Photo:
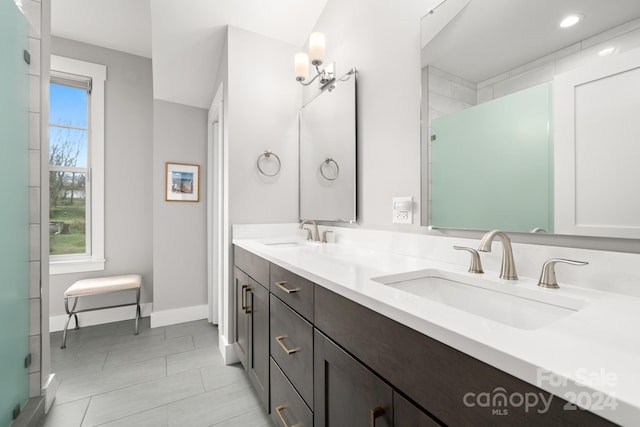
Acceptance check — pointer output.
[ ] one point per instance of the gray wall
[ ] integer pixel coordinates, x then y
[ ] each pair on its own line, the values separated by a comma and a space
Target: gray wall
260, 110
128, 168
263, 103
179, 228
385, 47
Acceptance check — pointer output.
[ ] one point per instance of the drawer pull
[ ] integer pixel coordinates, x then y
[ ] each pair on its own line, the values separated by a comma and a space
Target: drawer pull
279, 410
247, 309
244, 300
376, 413
287, 350
282, 286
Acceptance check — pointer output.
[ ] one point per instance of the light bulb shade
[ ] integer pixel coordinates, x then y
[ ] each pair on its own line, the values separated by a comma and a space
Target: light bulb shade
302, 66
316, 48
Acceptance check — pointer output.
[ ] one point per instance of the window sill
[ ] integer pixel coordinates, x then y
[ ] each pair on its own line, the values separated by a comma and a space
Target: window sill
76, 266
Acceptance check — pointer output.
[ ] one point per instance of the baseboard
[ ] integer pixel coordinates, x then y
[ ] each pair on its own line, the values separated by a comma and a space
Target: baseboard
49, 391
31, 414
228, 353
179, 315
99, 317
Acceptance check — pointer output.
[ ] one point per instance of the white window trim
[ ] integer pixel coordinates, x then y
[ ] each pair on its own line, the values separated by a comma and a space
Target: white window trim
64, 264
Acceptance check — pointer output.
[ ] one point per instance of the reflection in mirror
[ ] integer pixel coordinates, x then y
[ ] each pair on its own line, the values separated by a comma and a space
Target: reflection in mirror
502, 146
514, 133
328, 153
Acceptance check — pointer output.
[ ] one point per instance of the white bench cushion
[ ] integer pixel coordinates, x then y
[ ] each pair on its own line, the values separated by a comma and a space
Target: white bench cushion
102, 285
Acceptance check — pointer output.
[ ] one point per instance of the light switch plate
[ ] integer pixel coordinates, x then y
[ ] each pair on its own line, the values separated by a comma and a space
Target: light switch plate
402, 209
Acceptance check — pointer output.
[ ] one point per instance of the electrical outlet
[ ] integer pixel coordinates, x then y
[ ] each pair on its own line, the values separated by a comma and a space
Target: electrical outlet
402, 210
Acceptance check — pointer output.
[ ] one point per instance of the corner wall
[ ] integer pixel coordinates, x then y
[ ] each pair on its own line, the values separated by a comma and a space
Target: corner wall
128, 173
261, 107
263, 104
179, 228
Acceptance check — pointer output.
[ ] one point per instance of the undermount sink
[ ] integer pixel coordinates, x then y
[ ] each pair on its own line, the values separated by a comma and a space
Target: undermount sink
291, 243
501, 302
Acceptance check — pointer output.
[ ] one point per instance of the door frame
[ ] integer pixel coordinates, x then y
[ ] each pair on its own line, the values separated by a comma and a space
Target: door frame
216, 207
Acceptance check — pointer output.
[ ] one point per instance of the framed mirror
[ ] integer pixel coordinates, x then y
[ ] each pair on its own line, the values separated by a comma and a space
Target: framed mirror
526, 124
328, 153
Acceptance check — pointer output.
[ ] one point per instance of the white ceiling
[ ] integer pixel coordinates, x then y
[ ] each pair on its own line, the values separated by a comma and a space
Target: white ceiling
183, 38
123, 25
489, 37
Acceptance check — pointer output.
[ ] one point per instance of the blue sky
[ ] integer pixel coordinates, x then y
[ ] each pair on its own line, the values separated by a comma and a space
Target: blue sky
68, 106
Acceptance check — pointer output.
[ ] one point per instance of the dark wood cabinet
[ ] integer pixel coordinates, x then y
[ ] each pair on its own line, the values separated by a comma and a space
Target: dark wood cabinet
293, 290
406, 414
258, 356
252, 320
287, 407
346, 392
241, 285
292, 347
437, 377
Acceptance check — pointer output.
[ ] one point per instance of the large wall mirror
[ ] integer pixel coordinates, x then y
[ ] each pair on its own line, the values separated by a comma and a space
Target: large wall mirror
328, 153
528, 126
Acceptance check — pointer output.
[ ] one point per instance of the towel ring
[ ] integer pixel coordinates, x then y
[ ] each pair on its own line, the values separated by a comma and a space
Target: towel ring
266, 155
326, 162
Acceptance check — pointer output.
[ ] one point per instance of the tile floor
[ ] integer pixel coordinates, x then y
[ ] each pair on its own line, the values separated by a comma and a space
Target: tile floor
170, 376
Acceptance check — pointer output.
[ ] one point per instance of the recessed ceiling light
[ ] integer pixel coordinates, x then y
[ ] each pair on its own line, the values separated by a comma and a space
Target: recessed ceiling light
571, 20
607, 51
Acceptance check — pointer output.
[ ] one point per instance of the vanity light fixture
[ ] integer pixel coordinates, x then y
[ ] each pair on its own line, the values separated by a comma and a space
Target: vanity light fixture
316, 55
571, 20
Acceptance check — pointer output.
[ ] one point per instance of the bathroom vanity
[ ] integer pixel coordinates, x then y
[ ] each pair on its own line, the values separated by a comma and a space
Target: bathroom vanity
324, 344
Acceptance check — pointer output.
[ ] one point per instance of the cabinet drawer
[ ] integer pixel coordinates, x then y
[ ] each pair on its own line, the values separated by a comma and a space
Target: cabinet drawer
287, 407
293, 290
256, 267
292, 347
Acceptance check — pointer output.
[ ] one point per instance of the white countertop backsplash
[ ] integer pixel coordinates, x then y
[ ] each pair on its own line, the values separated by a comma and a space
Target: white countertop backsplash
607, 271
599, 346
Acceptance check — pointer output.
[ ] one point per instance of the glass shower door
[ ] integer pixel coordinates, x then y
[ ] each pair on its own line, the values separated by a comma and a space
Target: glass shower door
14, 211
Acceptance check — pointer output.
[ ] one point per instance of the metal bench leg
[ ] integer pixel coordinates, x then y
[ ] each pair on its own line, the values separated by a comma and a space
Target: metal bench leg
137, 309
70, 313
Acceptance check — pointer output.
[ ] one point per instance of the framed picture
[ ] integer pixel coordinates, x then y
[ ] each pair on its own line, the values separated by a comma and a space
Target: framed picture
183, 182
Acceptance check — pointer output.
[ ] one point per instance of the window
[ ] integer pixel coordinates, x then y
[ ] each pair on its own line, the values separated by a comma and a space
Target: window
76, 166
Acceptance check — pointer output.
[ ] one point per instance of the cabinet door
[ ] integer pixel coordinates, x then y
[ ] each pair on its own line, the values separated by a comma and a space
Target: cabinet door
241, 344
345, 392
258, 358
405, 414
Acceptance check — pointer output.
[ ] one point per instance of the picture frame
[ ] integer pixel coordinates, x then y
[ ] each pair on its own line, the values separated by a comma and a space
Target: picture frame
182, 182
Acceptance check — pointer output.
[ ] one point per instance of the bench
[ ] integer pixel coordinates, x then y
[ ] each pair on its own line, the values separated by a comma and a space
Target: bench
100, 286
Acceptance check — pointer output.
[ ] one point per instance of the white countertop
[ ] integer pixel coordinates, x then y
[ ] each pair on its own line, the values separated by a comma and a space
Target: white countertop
592, 355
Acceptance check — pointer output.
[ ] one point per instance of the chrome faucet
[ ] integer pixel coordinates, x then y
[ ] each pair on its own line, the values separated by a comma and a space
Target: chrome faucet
508, 270
476, 264
315, 228
548, 275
